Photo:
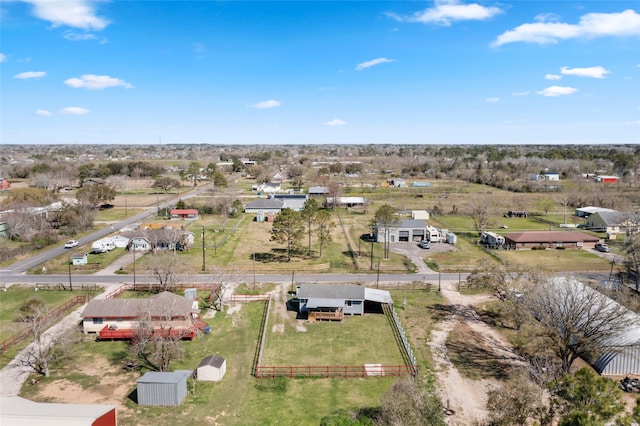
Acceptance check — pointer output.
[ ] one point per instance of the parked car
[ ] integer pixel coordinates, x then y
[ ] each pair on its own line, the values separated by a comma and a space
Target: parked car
71, 244
602, 248
425, 244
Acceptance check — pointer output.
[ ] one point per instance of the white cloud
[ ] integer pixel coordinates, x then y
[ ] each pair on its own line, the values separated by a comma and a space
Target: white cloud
547, 17
30, 74
591, 25
447, 11
594, 72
271, 103
520, 93
72, 13
335, 122
3, 57
552, 77
372, 63
73, 36
492, 100
74, 111
43, 112
557, 91
96, 82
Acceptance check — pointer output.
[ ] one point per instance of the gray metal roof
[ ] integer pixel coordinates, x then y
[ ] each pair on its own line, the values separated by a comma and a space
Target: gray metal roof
412, 223
266, 203
159, 305
375, 295
614, 218
213, 361
165, 377
324, 303
330, 291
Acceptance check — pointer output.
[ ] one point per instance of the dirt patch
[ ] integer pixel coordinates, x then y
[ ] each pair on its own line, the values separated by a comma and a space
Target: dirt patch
467, 397
113, 387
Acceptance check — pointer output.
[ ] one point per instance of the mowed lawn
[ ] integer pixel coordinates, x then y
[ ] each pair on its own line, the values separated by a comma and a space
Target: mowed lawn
557, 260
356, 340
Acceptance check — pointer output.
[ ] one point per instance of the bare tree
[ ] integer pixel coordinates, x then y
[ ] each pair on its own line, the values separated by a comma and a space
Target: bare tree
45, 349
631, 249
324, 226
481, 211
166, 268
157, 337
575, 321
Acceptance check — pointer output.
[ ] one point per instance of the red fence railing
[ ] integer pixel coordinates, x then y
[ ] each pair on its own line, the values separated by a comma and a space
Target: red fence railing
25, 332
333, 371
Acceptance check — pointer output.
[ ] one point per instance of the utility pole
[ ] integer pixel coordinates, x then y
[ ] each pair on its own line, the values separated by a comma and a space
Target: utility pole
371, 262
133, 247
378, 275
254, 271
70, 285
203, 257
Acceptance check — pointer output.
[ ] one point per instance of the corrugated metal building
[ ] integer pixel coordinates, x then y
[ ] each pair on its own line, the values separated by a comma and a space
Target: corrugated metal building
17, 411
163, 389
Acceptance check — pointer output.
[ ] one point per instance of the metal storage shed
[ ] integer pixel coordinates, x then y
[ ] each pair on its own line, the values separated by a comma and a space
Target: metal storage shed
624, 357
212, 369
163, 389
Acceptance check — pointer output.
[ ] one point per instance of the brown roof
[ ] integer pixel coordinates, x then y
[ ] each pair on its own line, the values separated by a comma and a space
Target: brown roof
550, 237
159, 305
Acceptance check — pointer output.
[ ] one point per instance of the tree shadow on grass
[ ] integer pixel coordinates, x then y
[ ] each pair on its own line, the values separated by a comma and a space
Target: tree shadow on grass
472, 356
277, 255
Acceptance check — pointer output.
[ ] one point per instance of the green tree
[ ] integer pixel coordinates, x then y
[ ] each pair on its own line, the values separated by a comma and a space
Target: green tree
166, 184
324, 226
288, 228
409, 403
545, 204
309, 214
194, 172
237, 165
219, 179
585, 398
93, 195
385, 220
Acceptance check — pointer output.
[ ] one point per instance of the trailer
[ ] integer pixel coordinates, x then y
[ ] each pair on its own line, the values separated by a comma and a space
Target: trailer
491, 239
102, 246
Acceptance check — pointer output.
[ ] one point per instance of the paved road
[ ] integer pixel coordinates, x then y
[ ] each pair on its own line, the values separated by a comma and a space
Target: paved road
37, 259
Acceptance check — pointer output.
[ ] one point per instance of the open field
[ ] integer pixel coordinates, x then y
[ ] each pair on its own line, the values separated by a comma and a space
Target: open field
557, 260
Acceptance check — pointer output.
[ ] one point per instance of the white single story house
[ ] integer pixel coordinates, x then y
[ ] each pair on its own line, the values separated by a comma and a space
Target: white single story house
345, 202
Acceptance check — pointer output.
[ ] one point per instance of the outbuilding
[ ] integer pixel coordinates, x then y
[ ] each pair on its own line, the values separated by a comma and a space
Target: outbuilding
165, 389
211, 369
18, 411
79, 259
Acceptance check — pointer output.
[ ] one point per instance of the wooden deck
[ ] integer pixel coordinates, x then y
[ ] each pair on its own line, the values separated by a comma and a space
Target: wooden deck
110, 333
314, 316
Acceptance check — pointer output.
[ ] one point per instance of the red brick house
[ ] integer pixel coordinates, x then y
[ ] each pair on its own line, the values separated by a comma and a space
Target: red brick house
550, 239
184, 214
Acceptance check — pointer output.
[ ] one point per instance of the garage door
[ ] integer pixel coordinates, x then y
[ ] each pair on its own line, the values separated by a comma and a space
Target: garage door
404, 235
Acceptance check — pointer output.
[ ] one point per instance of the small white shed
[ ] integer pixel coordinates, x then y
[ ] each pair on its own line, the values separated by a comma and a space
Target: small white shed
79, 259
212, 369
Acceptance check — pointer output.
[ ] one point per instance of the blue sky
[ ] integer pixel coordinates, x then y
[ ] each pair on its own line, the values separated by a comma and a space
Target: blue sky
327, 72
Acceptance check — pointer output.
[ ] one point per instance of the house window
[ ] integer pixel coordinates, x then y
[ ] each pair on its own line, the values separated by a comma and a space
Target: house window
559, 244
348, 303
97, 320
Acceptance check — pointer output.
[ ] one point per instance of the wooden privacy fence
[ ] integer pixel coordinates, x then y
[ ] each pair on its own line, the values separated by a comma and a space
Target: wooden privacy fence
334, 371
25, 332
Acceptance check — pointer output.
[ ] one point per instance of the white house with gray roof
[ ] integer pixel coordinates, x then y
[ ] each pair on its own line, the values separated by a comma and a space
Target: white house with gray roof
350, 299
